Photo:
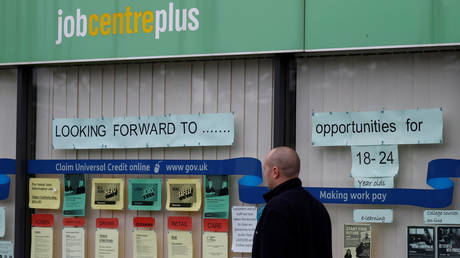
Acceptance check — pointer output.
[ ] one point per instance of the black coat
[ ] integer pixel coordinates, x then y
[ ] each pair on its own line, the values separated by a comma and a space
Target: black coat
293, 224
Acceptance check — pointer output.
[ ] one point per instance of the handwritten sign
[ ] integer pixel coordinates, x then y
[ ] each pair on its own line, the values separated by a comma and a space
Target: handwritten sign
441, 217
373, 215
244, 222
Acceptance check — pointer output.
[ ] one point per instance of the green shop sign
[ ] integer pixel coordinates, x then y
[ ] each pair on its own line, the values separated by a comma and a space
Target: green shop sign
358, 24
84, 30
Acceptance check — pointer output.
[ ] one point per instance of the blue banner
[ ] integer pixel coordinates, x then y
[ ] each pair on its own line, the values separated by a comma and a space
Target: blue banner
7, 166
439, 172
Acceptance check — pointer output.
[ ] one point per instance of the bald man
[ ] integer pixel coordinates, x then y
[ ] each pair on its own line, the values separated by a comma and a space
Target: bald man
293, 223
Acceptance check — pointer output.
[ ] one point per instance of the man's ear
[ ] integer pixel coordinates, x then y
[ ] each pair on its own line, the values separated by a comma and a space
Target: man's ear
276, 172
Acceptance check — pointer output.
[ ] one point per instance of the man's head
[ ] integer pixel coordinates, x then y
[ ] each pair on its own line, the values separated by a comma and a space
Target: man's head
280, 165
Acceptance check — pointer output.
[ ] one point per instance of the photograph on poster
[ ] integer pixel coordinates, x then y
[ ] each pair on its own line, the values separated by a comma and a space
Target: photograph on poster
217, 200
420, 242
449, 242
74, 195
357, 241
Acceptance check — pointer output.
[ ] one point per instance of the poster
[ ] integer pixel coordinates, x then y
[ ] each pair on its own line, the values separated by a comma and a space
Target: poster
44, 193
107, 193
420, 242
106, 243
145, 244
215, 245
6, 249
244, 222
216, 198
74, 195
180, 244
144, 194
41, 242
449, 242
73, 243
357, 241
183, 194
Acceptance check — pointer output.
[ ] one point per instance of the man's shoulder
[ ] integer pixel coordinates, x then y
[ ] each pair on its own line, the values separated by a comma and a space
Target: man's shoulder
297, 198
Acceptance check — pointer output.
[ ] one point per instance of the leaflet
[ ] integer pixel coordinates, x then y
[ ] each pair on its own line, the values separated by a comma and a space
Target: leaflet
180, 244
44, 193
2, 221
244, 222
215, 245
74, 195
144, 194
73, 243
107, 193
41, 242
216, 198
6, 249
106, 243
145, 244
357, 240
183, 194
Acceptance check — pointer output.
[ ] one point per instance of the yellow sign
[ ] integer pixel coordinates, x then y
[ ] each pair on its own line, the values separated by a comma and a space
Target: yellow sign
107, 193
44, 193
215, 245
180, 244
145, 244
41, 242
106, 243
183, 194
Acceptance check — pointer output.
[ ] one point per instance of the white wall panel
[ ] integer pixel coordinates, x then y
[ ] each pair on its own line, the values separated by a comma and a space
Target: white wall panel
8, 82
244, 87
373, 82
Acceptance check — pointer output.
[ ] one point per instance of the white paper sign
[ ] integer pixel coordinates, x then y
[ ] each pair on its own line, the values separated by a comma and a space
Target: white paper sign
373, 215
180, 244
144, 244
144, 131
106, 243
215, 245
41, 242
374, 182
6, 249
73, 243
416, 126
244, 222
2, 221
450, 217
374, 161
